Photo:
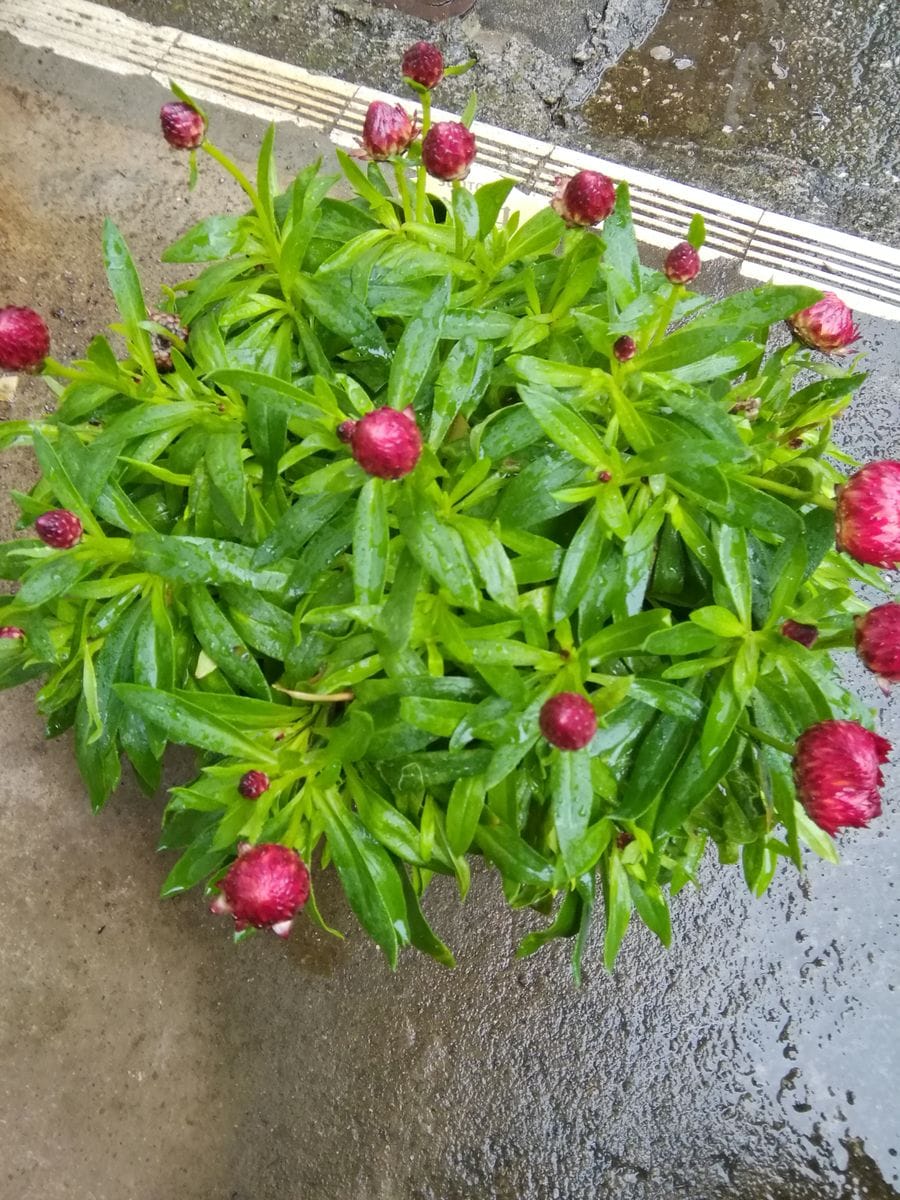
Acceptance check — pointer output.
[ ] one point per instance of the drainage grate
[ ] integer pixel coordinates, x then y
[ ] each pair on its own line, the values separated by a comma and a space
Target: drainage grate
433, 10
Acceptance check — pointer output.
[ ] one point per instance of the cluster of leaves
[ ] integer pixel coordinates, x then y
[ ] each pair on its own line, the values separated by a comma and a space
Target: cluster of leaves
382, 649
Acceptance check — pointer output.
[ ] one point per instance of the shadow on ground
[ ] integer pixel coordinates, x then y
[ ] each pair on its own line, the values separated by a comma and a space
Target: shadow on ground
146, 1057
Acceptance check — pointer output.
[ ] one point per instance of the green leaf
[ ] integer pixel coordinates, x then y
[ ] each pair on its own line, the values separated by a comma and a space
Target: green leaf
437, 547
620, 252
464, 811
221, 641
206, 560
571, 796
565, 427
209, 240
371, 541
365, 872
626, 636
759, 307
617, 898
461, 382
338, 309
187, 718
539, 235
514, 857
723, 364
729, 701
490, 559
696, 235
422, 936
490, 198
225, 462
466, 212
734, 563
692, 783
660, 752
123, 281
49, 578
564, 924
650, 905
579, 563
416, 348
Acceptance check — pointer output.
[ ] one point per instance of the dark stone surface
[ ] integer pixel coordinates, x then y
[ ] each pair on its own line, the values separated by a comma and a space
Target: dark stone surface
145, 1057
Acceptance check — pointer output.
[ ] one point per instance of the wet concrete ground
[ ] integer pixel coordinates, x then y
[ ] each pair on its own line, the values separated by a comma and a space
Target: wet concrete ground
145, 1057
790, 105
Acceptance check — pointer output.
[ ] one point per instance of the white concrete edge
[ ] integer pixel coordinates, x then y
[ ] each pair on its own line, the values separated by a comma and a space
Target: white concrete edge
768, 245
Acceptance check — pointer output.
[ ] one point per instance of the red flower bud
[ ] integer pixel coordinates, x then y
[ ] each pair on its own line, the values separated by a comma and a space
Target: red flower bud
11, 631
837, 773
568, 721
183, 127
345, 430
827, 325
867, 520
253, 784
59, 528
624, 348
24, 339
424, 64
806, 635
585, 199
162, 347
682, 263
448, 150
878, 641
387, 131
265, 886
386, 442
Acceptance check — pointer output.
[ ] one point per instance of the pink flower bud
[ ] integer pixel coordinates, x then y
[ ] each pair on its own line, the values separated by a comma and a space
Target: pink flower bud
624, 348
867, 520
387, 131
183, 127
827, 325
424, 64
265, 886
162, 347
24, 339
878, 641
386, 442
682, 263
568, 721
838, 775
448, 150
585, 199
806, 635
59, 528
252, 784
11, 631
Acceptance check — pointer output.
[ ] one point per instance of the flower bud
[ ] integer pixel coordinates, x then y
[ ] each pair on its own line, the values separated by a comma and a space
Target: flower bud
386, 442
11, 631
183, 127
59, 528
585, 199
624, 348
387, 131
827, 325
838, 775
265, 887
423, 63
448, 150
252, 784
806, 635
682, 263
568, 721
867, 518
24, 339
345, 430
162, 347
878, 641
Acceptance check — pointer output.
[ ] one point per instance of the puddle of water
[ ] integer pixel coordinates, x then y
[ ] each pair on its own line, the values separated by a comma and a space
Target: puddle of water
802, 89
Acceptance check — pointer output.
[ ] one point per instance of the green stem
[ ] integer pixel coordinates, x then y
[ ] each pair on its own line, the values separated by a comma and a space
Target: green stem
784, 489
766, 739
233, 170
422, 177
665, 315
403, 187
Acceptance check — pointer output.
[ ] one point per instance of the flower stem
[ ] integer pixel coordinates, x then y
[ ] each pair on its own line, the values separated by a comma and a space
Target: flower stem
403, 187
784, 489
766, 739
